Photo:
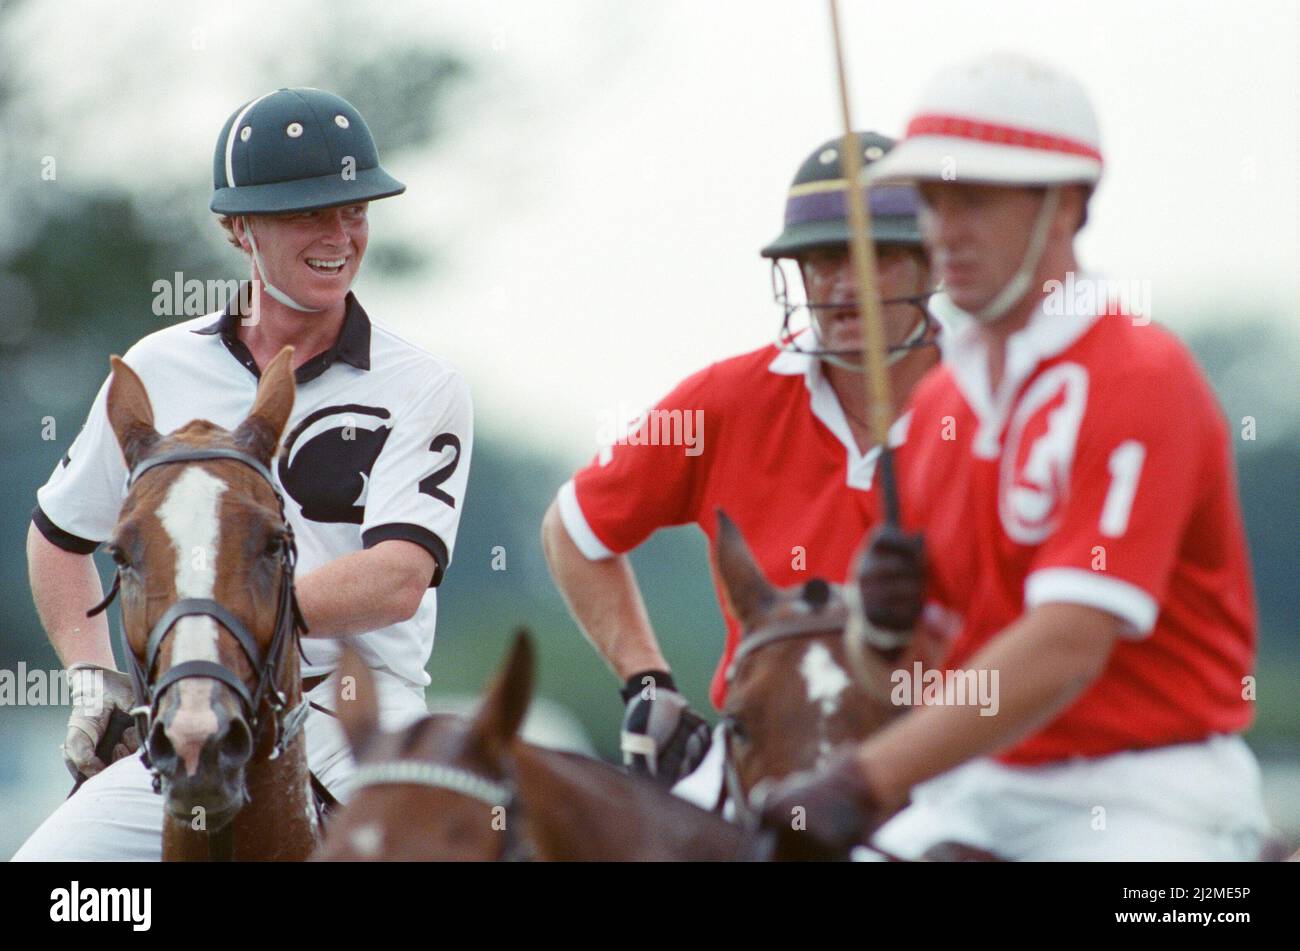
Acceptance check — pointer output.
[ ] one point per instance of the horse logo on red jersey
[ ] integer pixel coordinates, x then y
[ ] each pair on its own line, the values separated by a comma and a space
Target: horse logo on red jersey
1038, 453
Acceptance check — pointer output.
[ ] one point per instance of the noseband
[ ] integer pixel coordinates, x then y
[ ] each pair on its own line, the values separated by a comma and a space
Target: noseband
794, 628
288, 625
495, 793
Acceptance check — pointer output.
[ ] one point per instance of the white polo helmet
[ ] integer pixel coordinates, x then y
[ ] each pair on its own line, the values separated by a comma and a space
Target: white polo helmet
1001, 120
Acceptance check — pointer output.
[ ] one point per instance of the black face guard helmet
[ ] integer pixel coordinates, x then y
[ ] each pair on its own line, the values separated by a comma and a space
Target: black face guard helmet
817, 217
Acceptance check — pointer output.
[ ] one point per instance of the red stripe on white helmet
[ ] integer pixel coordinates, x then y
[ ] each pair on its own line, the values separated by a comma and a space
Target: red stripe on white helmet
1003, 119
963, 128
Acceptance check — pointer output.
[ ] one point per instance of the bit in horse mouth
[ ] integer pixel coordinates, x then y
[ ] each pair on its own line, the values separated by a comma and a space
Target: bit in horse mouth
214, 817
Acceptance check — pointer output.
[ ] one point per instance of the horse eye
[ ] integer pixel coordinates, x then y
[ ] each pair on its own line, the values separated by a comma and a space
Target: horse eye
118, 556
737, 728
274, 546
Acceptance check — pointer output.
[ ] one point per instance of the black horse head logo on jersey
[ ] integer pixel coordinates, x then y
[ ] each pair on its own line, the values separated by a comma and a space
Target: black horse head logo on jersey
326, 461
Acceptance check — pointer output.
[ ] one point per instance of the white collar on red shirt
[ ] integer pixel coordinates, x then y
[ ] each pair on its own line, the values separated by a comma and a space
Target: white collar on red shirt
861, 467
1043, 337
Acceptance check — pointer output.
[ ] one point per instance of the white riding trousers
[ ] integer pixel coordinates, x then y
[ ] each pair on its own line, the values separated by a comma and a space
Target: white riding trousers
1189, 802
117, 817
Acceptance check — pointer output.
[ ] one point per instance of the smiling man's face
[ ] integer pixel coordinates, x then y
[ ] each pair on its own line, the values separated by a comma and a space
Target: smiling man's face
312, 256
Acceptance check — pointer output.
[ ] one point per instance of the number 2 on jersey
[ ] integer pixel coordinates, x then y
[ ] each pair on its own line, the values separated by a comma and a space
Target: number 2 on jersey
429, 484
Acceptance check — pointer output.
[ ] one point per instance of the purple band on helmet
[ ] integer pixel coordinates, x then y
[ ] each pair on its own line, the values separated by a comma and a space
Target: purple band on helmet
882, 201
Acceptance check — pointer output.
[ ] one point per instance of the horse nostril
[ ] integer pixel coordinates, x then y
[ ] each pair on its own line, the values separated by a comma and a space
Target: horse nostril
161, 751
237, 745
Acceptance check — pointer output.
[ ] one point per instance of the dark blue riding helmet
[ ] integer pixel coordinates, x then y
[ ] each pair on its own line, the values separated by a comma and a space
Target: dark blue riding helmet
817, 206
296, 150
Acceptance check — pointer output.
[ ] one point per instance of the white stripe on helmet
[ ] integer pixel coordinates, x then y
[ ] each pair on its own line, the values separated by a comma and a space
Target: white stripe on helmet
230, 140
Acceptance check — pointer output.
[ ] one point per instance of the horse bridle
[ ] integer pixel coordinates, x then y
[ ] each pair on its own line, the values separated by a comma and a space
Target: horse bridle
289, 624
499, 794
815, 624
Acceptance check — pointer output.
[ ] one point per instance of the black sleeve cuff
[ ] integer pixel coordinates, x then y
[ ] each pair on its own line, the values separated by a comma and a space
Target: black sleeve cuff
59, 538
406, 532
636, 683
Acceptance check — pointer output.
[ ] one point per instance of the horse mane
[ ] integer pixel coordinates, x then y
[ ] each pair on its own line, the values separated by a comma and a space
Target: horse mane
592, 796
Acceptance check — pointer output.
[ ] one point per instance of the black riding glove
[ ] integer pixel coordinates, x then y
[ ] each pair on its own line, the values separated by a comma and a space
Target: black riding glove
891, 579
662, 737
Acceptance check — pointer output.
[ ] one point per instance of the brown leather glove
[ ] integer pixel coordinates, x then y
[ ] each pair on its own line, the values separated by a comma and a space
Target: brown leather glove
821, 816
891, 579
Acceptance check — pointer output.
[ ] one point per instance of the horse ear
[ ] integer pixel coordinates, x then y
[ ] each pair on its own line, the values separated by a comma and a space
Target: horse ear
747, 591
502, 711
356, 699
130, 413
259, 434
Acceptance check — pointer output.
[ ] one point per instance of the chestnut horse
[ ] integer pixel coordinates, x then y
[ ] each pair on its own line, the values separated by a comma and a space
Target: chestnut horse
456, 788
791, 692
794, 690
210, 626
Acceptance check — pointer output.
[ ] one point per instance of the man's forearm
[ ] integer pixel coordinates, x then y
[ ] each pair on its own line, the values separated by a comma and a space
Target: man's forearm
604, 599
365, 590
1044, 662
64, 586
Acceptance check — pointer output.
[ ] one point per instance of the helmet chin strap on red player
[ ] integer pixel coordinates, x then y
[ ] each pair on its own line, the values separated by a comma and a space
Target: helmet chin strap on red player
920, 335
1018, 286
852, 359
271, 289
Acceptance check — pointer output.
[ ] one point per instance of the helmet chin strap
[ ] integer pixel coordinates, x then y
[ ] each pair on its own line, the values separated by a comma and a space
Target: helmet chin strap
271, 289
901, 352
848, 359
1016, 288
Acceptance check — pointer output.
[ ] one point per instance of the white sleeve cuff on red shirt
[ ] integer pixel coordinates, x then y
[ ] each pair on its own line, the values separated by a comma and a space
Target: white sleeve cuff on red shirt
1128, 602
576, 525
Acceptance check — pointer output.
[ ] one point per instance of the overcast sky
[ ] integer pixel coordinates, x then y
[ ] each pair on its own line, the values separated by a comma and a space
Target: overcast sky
610, 176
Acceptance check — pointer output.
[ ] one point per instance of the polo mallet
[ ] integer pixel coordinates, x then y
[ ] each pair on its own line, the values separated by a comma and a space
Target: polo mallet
880, 411
881, 408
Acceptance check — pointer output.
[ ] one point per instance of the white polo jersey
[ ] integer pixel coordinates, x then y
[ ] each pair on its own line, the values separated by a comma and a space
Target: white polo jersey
377, 448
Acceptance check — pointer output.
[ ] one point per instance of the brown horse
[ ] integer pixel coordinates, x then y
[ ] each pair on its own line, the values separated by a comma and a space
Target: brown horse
455, 788
792, 696
795, 691
210, 626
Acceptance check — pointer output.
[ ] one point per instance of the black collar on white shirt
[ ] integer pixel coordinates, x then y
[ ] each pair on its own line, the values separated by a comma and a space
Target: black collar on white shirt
352, 345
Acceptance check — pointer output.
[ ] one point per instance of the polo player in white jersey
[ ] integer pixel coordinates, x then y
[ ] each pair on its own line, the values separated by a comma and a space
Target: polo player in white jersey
373, 466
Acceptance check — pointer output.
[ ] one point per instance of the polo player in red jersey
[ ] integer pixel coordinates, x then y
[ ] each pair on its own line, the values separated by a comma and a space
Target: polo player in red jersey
778, 438
1071, 475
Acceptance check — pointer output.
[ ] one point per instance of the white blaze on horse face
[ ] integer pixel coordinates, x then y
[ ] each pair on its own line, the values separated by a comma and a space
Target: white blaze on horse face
826, 681
191, 517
